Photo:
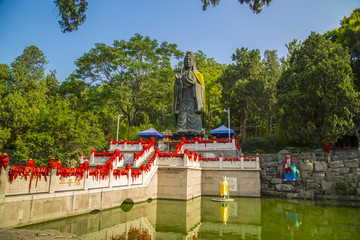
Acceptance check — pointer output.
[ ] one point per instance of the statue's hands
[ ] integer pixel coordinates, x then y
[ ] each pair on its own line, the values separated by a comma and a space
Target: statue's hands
177, 72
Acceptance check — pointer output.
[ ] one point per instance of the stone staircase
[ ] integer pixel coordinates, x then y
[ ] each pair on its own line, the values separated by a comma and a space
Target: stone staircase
147, 160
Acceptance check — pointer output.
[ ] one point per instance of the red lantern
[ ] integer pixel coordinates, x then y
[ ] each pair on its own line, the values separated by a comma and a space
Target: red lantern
81, 165
128, 166
52, 163
86, 165
59, 165
4, 161
30, 163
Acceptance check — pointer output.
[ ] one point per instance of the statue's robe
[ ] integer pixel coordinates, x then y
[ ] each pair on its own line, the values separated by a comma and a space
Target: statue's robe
189, 103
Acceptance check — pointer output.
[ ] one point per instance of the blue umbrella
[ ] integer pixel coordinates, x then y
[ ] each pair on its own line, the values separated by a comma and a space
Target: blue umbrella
222, 132
151, 132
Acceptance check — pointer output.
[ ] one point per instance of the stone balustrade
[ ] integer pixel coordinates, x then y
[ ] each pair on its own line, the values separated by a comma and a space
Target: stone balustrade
236, 163
56, 183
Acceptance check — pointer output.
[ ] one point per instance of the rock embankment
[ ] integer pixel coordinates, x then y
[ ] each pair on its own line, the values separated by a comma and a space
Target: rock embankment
22, 234
319, 177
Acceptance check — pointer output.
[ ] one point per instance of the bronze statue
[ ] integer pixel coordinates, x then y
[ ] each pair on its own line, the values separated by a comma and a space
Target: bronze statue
189, 98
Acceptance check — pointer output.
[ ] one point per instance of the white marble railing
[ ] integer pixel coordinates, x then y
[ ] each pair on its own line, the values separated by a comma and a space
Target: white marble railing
239, 163
180, 160
56, 183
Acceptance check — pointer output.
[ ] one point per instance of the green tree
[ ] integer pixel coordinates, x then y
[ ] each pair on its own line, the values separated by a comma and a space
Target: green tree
211, 71
243, 86
272, 68
35, 121
348, 35
72, 14
315, 93
136, 75
255, 5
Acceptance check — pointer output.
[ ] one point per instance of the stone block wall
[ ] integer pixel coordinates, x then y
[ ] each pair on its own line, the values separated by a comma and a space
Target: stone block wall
319, 178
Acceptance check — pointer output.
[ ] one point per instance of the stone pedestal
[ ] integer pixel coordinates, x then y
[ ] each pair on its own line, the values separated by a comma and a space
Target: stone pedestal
188, 136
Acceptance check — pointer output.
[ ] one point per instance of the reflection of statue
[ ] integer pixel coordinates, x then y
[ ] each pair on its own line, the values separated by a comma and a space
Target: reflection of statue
224, 189
189, 98
290, 171
293, 223
224, 212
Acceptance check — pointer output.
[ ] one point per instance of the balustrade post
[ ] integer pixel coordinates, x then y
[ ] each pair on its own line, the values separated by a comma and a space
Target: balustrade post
85, 179
242, 161
117, 160
82, 158
142, 178
185, 160
214, 144
92, 158
125, 145
221, 159
111, 178
52, 179
233, 144
196, 145
4, 181
129, 178
140, 146
257, 161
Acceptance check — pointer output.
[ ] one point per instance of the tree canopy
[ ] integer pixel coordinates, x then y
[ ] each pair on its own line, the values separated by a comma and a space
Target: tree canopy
316, 94
136, 75
243, 85
255, 5
348, 35
72, 12
34, 121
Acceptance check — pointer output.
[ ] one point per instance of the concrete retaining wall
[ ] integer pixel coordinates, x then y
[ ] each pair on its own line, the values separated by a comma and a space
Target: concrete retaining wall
241, 182
179, 183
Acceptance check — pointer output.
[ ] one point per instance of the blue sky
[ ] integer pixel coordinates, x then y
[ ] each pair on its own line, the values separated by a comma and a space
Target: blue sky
218, 32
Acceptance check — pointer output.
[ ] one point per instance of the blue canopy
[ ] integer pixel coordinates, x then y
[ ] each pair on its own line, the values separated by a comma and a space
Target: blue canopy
151, 132
222, 132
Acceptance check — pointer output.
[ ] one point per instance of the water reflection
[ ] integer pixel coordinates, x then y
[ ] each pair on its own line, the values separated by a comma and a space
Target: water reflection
201, 218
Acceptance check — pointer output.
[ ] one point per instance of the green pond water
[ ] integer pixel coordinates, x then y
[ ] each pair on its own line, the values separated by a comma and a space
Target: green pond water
201, 218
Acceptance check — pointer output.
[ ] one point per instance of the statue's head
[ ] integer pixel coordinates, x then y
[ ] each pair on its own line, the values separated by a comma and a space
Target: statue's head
189, 61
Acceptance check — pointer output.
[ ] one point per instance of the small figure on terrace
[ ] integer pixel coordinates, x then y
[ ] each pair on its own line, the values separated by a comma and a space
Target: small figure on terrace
189, 98
289, 171
224, 189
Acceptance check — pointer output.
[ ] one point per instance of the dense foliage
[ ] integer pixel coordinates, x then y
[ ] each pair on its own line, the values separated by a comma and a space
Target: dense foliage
72, 14
35, 122
348, 35
316, 93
